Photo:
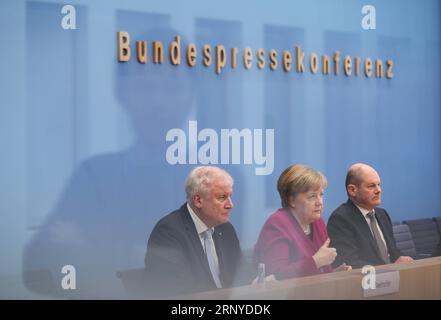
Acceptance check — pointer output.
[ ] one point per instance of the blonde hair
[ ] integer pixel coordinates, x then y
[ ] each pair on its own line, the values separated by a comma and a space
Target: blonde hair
296, 179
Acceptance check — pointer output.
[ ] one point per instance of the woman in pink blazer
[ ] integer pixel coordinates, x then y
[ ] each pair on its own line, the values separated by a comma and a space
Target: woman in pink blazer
293, 241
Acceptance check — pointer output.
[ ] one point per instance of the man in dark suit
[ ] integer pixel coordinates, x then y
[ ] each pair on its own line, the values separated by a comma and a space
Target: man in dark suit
359, 230
437, 251
195, 248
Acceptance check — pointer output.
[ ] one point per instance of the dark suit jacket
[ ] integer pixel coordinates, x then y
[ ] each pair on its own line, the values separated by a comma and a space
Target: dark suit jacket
351, 236
437, 251
176, 262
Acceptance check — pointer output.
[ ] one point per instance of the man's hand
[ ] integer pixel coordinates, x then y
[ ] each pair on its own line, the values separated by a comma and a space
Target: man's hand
343, 267
271, 277
404, 259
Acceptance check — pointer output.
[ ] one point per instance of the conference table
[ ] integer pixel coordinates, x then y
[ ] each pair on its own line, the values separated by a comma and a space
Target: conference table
419, 279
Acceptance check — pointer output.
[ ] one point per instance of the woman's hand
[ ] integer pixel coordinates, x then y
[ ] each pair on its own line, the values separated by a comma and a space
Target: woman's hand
325, 255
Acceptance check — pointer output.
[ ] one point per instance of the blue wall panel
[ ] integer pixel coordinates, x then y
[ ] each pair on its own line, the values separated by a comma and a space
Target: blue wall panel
84, 175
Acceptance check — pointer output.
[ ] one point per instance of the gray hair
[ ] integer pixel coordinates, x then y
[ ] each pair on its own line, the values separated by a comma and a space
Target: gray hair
201, 178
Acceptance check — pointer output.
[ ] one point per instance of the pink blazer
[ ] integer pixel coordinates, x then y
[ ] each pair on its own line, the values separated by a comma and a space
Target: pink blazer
286, 250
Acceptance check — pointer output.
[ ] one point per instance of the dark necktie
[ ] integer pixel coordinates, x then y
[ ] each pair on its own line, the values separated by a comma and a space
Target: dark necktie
376, 233
208, 243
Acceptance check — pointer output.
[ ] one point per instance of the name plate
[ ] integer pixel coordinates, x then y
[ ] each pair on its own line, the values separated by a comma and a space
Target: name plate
386, 282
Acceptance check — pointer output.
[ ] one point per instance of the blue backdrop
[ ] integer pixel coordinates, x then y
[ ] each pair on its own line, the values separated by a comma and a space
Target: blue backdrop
84, 176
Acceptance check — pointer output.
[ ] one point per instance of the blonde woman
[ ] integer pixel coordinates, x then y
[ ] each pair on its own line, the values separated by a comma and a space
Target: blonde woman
293, 241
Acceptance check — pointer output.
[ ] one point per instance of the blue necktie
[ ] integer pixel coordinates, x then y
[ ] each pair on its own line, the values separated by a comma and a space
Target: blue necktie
209, 244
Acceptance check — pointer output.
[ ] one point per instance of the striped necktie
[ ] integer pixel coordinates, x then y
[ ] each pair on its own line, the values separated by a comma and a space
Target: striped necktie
376, 233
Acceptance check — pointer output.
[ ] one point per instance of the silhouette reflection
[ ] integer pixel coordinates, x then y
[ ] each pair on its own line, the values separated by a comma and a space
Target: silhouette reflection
102, 220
